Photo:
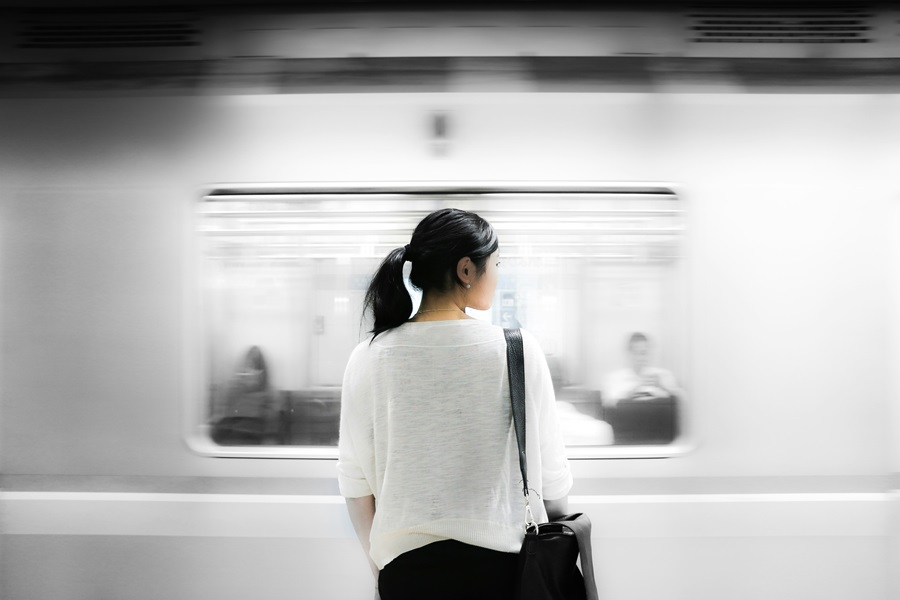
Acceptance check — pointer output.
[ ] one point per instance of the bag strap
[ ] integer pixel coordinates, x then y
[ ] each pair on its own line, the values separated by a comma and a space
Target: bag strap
581, 527
515, 364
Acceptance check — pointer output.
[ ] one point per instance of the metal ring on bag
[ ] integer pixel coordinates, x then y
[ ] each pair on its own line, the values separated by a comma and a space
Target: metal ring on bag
530, 523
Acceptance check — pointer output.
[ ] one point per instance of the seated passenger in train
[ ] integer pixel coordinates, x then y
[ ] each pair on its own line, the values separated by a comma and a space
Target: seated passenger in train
641, 402
248, 416
639, 381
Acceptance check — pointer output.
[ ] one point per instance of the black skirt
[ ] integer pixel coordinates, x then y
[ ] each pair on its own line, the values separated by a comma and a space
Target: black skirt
449, 569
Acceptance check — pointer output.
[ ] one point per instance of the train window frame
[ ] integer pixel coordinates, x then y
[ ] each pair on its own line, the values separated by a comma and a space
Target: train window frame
465, 195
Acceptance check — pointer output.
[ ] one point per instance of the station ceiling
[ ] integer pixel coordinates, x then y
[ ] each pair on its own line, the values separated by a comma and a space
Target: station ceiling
370, 5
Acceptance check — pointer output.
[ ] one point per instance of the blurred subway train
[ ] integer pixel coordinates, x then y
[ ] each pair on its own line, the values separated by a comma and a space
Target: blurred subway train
193, 199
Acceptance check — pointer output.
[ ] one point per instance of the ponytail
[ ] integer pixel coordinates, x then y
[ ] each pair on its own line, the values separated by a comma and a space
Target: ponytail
439, 241
387, 295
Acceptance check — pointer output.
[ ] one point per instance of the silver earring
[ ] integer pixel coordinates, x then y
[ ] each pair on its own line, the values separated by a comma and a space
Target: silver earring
468, 285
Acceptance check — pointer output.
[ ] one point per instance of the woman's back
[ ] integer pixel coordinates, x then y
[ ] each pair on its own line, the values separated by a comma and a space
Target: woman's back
431, 400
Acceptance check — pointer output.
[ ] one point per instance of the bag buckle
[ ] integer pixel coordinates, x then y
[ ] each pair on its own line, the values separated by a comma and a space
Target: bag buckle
530, 523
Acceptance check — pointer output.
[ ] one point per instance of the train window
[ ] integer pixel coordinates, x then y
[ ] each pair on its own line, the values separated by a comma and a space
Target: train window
595, 273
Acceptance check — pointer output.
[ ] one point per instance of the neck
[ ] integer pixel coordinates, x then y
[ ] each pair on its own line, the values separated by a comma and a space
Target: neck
440, 307
432, 301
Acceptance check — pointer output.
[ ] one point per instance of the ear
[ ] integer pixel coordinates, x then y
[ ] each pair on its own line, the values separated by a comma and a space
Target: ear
465, 270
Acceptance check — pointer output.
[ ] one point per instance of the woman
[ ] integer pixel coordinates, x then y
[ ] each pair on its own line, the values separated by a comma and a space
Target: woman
250, 417
426, 430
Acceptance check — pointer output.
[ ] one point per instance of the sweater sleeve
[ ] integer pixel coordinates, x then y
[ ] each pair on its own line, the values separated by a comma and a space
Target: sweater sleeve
352, 479
557, 479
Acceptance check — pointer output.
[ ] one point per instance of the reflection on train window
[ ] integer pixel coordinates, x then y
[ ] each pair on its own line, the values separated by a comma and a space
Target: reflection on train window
596, 275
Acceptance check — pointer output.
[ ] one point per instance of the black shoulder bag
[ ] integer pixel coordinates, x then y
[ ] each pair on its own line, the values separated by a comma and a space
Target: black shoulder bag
548, 568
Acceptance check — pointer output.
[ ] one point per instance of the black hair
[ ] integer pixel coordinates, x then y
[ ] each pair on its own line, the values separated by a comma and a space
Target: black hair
438, 243
255, 360
636, 338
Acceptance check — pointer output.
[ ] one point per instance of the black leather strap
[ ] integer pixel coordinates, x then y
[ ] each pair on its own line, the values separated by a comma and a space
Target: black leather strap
515, 364
581, 527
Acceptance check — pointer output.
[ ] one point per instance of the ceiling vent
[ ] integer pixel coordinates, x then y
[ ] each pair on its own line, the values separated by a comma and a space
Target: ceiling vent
85, 29
781, 26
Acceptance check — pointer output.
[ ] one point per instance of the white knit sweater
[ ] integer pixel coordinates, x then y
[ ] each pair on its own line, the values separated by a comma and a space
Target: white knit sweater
426, 428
